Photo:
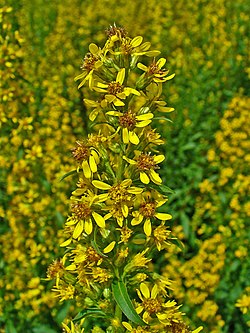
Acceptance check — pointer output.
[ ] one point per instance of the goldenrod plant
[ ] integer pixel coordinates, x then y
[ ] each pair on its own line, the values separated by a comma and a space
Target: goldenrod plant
118, 221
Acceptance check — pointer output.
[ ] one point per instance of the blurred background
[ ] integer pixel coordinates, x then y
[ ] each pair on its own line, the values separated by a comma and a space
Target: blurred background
206, 43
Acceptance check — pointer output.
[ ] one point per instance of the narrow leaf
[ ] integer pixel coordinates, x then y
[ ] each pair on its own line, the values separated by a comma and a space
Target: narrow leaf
89, 312
123, 300
178, 243
72, 172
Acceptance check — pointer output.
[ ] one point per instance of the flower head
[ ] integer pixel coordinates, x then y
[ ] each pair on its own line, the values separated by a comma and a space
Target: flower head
114, 91
91, 62
155, 72
146, 164
129, 122
147, 212
119, 196
87, 157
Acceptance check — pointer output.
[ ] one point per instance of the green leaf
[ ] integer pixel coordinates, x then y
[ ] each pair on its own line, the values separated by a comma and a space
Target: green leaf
95, 246
123, 300
177, 242
163, 118
62, 313
163, 188
89, 312
72, 172
10, 328
43, 328
166, 189
185, 223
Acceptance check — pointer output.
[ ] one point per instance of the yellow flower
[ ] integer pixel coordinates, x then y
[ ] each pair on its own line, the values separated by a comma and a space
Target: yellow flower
146, 165
161, 235
150, 303
244, 303
139, 260
155, 72
138, 329
91, 62
82, 215
129, 122
72, 328
87, 157
154, 306
64, 292
119, 195
147, 211
114, 91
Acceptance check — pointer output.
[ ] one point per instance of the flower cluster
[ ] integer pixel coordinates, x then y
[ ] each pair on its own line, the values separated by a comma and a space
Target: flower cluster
117, 218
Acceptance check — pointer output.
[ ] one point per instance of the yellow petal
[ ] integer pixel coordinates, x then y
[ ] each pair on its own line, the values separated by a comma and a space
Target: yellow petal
109, 248
80, 76
102, 85
96, 156
145, 46
125, 137
118, 102
126, 182
198, 329
143, 123
155, 177
83, 82
114, 113
139, 309
147, 227
135, 190
88, 227
66, 243
107, 216
159, 158
122, 95
161, 62
144, 178
71, 267
142, 67
154, 291
129, 160
136, 41
161, 202
90, 103
165, 109
101, 185
120, 221
92, 163
99, 220
169, 77
133, 138
93, 114
163, 216
144, 289
153, 53
93, 48
129, 91
110, 98
125, 210
86, 169
98, 64
146, 116
120, 76
136, 220
102, 197
78, 229
127, 325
